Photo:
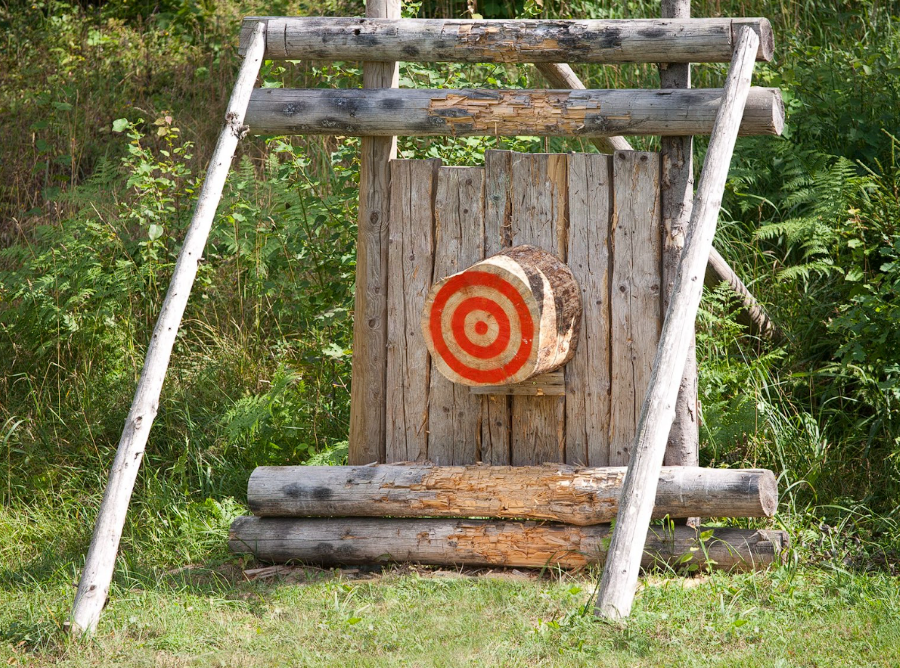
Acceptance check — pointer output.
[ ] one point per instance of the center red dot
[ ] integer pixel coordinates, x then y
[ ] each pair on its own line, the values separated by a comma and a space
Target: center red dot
481, 328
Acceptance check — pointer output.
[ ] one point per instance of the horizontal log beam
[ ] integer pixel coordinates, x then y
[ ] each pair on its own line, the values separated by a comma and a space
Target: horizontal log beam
508, 41
581, 496
490, 543
545, 113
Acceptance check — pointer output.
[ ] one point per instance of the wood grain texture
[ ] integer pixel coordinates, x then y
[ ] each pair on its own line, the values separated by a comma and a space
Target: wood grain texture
581, 496
491, 543
635, 317
496, 409
461, 113
430, 40
588, 374
454, 415
617, 587
562, 76
410, 266
100, 562
547, 384
538, 216
676, 198
369, 373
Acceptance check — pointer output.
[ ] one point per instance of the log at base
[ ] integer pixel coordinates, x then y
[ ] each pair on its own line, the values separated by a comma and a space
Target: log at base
486, 543
581, 496
503, 320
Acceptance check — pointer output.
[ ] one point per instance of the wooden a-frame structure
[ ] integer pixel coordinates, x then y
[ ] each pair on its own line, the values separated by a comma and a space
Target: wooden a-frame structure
384, 112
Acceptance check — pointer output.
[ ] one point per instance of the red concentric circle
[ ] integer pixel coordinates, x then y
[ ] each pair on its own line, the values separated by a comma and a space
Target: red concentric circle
459, 284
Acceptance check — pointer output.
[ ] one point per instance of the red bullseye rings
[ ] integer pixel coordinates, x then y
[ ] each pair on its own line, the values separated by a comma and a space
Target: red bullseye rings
499, 322
494, 301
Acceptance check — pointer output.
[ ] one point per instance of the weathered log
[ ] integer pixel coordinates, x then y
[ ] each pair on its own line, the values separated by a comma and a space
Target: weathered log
581, 496
367, 391
545, 113
513, 41
620, 574
491, 543
101, 558
551, 384
503, 320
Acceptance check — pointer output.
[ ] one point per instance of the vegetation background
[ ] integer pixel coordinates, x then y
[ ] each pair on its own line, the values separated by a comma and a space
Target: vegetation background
108, 115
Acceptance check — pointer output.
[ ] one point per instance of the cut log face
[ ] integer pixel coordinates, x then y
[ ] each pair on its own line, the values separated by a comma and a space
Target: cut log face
503, 320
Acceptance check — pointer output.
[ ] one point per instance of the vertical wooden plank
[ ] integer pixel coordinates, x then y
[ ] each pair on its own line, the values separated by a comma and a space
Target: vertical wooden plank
635, 297
454, 413
677, 195
538, 205
495, 410
367, 391
588, 374
410, 265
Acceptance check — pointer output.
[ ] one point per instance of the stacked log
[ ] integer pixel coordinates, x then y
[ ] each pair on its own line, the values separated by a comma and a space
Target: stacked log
419, 513
580, 496
491, 543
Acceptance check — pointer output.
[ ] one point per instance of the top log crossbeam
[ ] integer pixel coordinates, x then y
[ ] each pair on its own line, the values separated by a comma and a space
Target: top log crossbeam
507, 41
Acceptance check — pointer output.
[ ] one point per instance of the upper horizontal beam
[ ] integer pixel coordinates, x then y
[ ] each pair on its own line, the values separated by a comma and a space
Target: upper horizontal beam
509, 41
505, 113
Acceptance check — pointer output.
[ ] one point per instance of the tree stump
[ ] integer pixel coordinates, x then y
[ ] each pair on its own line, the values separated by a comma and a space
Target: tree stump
503, 320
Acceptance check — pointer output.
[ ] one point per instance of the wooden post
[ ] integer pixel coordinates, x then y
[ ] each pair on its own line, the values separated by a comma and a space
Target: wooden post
677, 194
620, 573
101, 558
367, 392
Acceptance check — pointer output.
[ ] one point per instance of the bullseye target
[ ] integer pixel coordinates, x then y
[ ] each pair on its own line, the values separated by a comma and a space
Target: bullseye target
483, 326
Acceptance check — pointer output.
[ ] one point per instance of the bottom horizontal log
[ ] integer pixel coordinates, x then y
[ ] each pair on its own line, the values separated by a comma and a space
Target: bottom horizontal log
490, 543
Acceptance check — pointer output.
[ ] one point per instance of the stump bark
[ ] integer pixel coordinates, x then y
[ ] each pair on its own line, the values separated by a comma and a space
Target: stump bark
503, 320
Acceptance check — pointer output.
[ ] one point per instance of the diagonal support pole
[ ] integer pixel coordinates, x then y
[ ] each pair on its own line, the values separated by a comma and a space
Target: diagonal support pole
750, 314
101, 558
623, 562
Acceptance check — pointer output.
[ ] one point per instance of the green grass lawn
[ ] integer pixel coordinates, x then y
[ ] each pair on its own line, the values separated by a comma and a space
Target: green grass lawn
215, 616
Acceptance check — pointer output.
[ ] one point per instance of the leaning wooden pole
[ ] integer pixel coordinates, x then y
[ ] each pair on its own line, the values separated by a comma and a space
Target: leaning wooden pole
367, 391
101, 558
750, 313
620, 573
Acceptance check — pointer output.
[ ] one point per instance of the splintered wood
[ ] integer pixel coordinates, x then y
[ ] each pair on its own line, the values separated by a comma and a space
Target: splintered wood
599, 214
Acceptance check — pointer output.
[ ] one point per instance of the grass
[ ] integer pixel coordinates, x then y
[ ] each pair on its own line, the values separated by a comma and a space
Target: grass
425, 617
